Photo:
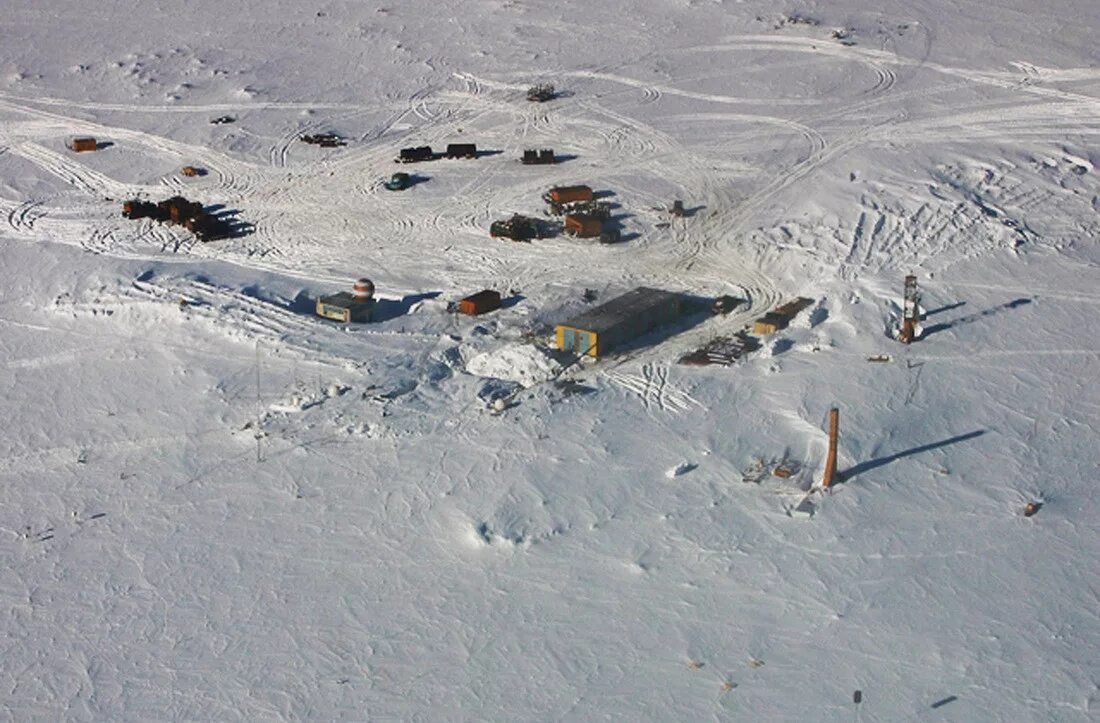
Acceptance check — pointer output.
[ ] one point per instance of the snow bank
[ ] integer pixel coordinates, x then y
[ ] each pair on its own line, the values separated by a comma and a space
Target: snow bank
526, 365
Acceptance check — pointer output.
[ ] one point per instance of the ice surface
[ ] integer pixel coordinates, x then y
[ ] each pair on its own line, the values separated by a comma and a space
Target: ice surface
216, 506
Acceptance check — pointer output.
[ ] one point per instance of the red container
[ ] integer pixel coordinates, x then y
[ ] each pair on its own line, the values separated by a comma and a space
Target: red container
480, 303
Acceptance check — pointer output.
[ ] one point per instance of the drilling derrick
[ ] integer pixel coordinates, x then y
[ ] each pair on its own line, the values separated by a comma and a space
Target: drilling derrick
910, 318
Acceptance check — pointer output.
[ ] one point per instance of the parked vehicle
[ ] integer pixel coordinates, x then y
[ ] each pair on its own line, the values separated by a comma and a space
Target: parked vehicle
415, 155
398, 182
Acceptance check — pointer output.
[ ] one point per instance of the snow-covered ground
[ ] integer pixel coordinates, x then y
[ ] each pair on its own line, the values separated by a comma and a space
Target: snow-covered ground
216, 506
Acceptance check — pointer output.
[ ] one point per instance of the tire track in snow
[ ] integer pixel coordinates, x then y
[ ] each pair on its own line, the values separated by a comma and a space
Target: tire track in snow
22, 218
225, 168
653, 387
74, 173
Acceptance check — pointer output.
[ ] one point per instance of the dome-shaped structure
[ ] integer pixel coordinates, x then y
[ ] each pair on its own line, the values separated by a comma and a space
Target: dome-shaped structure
363, 289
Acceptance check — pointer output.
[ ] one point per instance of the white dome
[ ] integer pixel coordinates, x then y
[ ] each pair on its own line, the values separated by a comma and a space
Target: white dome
363, 289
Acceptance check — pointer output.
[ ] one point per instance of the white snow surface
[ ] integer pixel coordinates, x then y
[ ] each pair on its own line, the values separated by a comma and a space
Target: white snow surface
525, 364
229, 509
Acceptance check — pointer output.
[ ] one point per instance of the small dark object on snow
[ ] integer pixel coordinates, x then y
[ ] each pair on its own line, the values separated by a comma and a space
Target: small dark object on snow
540, 157
325, 140
518, 228
1031, 508
193, 171
398, 182
588, 296
541, 93
677, 209
222, 120
857, 697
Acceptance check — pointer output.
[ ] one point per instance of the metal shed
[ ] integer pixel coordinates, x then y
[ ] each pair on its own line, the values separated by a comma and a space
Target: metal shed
601, 330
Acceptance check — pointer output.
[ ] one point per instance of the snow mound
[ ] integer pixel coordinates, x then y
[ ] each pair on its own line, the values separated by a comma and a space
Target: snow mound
523, 364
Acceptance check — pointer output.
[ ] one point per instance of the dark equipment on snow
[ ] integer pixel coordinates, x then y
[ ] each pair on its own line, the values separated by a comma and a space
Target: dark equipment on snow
325, 140
461, 150
541, 93
415, 155
398, 182
541, 157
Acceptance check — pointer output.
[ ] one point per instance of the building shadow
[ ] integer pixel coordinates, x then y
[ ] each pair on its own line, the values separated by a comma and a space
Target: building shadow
386, 309
689, 212
103, 144
510, 301
781, 346
871, 464
486, 154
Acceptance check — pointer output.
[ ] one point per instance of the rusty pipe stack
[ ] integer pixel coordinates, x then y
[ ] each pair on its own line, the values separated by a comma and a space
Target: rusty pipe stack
830, 460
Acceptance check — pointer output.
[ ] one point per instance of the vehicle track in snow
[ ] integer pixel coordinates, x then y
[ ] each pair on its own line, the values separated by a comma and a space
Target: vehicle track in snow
23, 217
653, 388
236, 178
74, 173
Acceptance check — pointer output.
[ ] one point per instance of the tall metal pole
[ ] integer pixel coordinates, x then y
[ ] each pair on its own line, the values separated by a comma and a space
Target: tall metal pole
259, 405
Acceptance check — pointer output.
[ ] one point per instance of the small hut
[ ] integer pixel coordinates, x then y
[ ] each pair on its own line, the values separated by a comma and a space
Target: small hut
80, 145
356, 306
479, 303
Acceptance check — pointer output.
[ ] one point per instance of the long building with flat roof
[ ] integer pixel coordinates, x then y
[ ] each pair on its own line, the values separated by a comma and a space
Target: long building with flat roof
600, 330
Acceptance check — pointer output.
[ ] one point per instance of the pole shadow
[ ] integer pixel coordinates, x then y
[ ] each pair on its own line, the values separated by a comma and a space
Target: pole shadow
871, 464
